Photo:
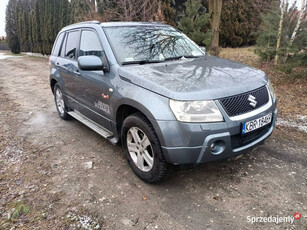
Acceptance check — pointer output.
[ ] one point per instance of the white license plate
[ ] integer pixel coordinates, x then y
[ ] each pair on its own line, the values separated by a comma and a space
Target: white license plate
256, 124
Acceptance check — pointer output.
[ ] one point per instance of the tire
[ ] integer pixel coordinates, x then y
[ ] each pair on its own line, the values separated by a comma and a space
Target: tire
60, 103
144, 155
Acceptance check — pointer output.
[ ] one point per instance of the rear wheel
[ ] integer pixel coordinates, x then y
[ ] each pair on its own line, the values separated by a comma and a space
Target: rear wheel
60, 103
142, 149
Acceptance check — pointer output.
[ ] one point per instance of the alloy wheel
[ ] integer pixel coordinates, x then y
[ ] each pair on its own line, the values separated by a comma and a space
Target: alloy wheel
140, 149
59, 101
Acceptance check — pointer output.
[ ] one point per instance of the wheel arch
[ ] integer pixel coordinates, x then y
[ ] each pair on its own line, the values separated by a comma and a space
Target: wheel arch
128, 108
53, 81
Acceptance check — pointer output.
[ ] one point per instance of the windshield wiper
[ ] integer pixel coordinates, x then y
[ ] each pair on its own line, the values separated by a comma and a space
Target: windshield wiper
142, 62
192, 56
181, 57
173, 58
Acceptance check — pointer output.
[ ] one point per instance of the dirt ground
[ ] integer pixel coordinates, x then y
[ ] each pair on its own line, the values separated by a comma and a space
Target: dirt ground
57, 174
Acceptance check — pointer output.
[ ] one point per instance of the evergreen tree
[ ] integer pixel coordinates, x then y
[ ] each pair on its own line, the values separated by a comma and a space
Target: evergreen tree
46, 24
240, 20
22, 9
11, 26
169, 12
267, 38
36, 30
80, 11
179, 7
194, 22
23, 30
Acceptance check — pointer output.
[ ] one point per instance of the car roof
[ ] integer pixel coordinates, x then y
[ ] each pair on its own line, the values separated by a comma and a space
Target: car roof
111, 24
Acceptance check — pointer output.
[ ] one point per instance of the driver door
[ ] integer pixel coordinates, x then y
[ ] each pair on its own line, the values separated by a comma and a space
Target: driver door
92, 87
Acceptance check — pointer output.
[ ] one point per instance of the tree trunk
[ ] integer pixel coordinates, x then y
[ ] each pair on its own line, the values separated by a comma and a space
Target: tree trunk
283, 8
299, 20
96, 6
215, 8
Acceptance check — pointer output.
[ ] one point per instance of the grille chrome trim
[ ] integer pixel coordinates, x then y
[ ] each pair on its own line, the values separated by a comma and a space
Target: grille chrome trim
251, 113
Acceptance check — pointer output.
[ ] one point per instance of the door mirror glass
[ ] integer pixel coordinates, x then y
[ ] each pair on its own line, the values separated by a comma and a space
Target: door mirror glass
90, 62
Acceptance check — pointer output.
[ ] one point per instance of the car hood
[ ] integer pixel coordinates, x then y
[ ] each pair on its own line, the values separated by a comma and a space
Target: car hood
200, 78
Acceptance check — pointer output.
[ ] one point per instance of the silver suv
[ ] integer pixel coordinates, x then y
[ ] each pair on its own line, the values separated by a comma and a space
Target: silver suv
152, 88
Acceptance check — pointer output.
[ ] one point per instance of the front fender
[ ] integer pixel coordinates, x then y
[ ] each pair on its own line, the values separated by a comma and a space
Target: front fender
154, 106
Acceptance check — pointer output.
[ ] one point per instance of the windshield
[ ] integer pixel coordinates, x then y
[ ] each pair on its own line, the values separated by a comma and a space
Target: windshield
145, 44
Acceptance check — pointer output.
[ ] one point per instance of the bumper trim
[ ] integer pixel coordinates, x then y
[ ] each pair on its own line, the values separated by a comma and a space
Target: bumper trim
209, 140
202, 154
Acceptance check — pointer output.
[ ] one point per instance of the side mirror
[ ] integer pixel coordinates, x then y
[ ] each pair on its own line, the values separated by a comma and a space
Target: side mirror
203, 49
90, 62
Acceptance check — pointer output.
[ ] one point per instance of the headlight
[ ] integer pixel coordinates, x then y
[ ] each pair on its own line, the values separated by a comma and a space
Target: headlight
196, 111
270, 87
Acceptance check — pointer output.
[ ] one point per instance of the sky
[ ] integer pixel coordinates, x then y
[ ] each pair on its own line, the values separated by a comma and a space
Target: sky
3, 4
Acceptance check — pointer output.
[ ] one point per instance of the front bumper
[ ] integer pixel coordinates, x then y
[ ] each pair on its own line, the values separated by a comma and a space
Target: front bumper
186, 143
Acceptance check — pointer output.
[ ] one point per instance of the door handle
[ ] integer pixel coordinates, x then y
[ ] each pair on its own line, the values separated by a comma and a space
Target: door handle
77, 73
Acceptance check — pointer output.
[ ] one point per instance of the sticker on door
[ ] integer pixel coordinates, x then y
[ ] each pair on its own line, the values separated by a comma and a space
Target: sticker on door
102, 106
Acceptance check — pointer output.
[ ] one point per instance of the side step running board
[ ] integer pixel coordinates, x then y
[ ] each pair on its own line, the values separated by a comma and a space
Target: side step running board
94, 126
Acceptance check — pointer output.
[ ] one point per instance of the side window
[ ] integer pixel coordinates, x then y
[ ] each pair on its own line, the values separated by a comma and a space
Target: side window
57, 45
72, 44
90, 44
62, 54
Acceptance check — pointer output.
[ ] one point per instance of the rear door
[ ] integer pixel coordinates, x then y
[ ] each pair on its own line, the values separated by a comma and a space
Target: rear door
93, 86
55, 55
67, 64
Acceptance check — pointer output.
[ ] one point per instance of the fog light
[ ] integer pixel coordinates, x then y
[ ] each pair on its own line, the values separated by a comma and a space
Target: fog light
212, 146
217, 147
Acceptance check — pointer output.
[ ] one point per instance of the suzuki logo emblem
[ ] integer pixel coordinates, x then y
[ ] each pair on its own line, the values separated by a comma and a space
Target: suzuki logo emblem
252, 100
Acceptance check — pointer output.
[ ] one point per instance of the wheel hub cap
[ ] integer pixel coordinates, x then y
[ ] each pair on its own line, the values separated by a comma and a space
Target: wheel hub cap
140, 149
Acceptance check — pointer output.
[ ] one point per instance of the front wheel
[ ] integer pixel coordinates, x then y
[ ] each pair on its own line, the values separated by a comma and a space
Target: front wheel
142, 149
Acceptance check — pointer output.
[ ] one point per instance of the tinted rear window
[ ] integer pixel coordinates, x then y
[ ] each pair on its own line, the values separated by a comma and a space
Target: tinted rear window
72, 44
57, 46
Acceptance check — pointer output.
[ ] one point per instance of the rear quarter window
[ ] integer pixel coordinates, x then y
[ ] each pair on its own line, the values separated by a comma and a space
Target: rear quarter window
57, 45
72, 44
63, 46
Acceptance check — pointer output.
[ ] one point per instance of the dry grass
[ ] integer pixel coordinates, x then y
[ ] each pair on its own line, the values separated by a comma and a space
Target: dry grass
245, 55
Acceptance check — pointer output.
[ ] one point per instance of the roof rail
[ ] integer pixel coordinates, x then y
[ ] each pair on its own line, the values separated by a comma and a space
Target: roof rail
80, 23
88, 22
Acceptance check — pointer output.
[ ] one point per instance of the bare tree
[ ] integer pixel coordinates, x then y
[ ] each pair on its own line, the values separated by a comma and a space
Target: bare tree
283, 9
299, 20
132, 10
215, 8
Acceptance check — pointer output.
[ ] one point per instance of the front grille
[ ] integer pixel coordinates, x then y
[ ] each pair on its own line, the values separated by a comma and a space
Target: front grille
239, 104
241, 140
